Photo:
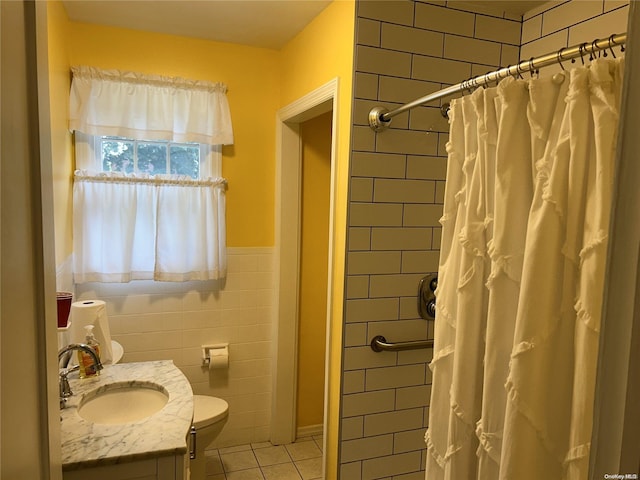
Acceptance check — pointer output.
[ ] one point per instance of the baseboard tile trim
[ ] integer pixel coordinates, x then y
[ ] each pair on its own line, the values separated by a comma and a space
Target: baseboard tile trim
308, 431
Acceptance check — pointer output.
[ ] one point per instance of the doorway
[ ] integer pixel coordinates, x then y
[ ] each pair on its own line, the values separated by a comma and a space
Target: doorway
315, 136
322, 101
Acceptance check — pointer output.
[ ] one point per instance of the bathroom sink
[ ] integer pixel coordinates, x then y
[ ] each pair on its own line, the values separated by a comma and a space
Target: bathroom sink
122, 402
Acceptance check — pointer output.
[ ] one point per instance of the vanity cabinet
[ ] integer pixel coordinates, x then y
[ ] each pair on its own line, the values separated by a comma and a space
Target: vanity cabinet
162, 468
150, 448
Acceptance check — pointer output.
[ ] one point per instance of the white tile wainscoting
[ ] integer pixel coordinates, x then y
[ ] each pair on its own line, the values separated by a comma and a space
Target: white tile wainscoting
170, 321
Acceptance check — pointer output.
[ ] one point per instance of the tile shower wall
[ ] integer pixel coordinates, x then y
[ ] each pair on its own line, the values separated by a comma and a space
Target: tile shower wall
559, 24
157, 320
404, 50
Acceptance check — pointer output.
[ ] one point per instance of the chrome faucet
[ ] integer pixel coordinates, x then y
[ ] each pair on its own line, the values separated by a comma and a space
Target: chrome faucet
64, 355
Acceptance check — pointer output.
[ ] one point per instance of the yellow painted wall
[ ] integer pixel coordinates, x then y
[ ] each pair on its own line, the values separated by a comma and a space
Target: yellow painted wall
61, 144
253, 79
256, 78
321, 52
315, 135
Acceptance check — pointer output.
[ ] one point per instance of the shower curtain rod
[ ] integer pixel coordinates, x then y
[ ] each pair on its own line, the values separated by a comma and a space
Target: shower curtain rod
380, 117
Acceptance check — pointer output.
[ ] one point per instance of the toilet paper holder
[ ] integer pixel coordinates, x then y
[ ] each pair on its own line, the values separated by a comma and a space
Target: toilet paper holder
207, 349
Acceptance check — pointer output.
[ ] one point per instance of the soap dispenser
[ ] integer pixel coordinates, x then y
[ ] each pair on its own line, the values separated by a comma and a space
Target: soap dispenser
85, 361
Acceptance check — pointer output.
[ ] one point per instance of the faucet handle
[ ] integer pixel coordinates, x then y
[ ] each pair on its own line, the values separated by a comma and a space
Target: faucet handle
65, 388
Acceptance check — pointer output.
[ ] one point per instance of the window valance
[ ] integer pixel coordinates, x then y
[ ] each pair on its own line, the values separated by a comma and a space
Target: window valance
148, 107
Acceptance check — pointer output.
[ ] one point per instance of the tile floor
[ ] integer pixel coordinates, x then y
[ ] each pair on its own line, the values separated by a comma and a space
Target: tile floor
301, 460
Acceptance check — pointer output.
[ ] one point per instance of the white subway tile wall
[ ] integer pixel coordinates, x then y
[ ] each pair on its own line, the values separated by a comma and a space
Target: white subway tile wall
171, 321
405, 50
560, 24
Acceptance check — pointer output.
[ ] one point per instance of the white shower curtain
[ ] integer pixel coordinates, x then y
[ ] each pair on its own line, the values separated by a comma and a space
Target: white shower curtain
522, 265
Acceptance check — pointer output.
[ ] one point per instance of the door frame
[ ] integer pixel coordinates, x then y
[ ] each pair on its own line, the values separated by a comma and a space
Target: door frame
287, 255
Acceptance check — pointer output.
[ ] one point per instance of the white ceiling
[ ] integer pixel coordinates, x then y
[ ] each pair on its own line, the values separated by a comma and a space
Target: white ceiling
260, 23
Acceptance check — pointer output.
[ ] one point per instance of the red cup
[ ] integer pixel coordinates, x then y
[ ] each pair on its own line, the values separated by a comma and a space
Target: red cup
64, 307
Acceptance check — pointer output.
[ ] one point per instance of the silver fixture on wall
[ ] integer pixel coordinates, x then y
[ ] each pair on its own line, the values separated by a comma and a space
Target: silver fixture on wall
427, 296
380, 344
426, 308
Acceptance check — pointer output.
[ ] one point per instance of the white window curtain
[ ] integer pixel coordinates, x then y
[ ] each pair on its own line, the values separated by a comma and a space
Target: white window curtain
520, 287
135, 226
138, 227
148, 107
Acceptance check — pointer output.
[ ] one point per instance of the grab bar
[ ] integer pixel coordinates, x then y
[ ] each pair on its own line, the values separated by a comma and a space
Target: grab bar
379, 344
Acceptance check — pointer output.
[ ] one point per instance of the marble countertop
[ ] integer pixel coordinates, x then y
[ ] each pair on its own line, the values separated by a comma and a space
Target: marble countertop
85, 444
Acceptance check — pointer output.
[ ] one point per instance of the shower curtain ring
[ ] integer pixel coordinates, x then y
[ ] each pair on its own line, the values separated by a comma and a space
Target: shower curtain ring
533, 69
509, 71
518, 70
444, 109
559, 58
611, 46
466, 86
484, 83
582, 49
594, 48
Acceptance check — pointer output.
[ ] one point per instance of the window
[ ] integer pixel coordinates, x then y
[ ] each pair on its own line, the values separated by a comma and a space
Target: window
153, 157
166, 228
148, 200
125, 155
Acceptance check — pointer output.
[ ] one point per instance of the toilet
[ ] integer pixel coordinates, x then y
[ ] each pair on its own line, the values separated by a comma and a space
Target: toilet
209, 416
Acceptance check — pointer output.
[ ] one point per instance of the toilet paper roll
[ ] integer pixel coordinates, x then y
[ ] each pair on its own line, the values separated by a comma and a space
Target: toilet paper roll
92, 312
218, 358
